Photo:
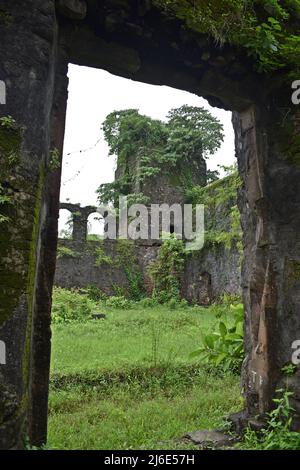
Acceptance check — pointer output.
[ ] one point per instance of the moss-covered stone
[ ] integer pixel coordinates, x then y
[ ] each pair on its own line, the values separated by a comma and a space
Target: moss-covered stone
293, 273
10, 145
31, 276
5, 17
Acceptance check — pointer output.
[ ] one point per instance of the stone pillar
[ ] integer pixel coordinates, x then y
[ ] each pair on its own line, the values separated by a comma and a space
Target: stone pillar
41, 332
268, 158
80, 217
79, 226
27, 66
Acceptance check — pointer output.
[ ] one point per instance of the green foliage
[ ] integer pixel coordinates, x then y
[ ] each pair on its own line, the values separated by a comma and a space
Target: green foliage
148, 302
10, 142
8, 122
267, 30
136, 140
144, 146
289, 369
4, 200
71, 306
95, 294
212, 175
217, 193
55, 161
193, 133
166, 270
219, 199
64, 251
127, 259
224, 347
119, 302
102, 258
94, 237
103, 374
277, 435
5, 17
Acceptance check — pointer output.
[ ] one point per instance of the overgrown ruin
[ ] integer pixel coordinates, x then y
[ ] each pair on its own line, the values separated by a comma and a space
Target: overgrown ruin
208, 273
138, 40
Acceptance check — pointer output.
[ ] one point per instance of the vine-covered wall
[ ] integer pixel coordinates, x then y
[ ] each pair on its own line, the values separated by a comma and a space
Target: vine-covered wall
124, 266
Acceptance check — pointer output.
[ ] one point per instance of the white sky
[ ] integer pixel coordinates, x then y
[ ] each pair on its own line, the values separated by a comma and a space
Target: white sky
93, 94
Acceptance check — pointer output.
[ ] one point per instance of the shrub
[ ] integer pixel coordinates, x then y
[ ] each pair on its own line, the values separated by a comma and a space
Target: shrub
225, 346
95, 294
70, 306
183, 303
119, 302
166, 270
172, 304
277, 434
148, 302
67, 252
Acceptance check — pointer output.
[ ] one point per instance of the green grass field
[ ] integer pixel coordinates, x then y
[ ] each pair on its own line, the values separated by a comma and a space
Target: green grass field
127, 382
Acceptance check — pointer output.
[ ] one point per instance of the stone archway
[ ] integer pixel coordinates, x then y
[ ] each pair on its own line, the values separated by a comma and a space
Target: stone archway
135, 40
80, 217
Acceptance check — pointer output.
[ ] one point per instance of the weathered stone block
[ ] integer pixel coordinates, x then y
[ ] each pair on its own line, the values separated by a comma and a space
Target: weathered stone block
73, 9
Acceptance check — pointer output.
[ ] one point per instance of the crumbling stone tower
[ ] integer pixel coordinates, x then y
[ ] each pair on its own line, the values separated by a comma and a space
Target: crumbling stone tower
167, 186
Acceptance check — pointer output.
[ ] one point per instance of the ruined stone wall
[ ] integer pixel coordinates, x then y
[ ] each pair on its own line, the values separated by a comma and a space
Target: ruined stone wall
208, 274
28, 62
79, 269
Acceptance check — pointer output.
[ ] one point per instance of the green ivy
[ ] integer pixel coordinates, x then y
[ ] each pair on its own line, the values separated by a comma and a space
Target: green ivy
10, 144
124, 259
55, 160
219, 199
127, 259
102, 258
4, 199
165, 271
267, 30
145, 147
64, 251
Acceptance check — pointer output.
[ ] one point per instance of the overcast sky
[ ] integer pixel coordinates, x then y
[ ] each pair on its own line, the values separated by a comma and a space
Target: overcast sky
93, 94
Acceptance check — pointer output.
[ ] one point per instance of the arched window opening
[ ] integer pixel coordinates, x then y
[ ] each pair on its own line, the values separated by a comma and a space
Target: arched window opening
65, 224
95, 227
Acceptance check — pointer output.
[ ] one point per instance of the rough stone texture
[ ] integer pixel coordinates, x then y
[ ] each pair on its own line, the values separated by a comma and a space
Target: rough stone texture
211, 273
211, 439
208, 273
134, 40
270, 204
73, 9
27, 66
81, 271
167, 186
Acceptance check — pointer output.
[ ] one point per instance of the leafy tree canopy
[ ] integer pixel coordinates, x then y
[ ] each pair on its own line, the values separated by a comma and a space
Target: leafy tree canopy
193, 131
143, 146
